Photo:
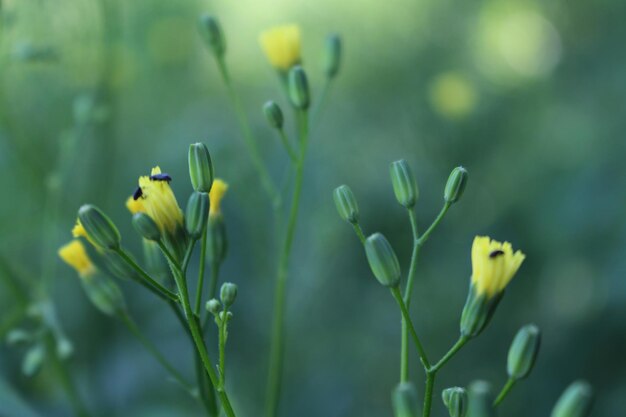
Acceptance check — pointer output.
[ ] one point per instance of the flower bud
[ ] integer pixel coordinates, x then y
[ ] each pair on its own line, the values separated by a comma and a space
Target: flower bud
99, 227
217, 242
156, 263
213, 306
117, 267
33, 360
383, 260
104, 294
523, 351
298, 86
455, 185
197, 214
576, 401
455, 399
346, 204
478, 311
480, 400
404, 183
404, 400
273, 114
146, 227
213, 34
228, 293
200, 167
332, 55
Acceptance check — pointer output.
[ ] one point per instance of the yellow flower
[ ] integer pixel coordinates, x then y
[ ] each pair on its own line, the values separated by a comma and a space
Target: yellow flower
218, 190
493, 265
78, 230
75, 255
135, 206
282, 46
159, 202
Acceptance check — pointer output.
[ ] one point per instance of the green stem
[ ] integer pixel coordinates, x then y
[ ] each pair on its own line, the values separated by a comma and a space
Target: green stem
434, 224
505, 391
359, 232
187, 256
222, 347
134, 329
198, 339
404, 344
277, 345
317, 112
395, 291
246, 131
215, 272
164, 292
450, 354
428, 394
285, 140
200, 285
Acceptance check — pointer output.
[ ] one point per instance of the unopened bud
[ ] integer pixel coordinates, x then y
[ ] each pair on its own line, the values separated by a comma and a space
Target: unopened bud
346, 204
480, 400
273, 114
576, 401
197, 214
523, 351
146, 227
213, 306
104, 294
455, 399
217, 242
213, 34
298, 86
99, 227
228, 293
383, 260
404, 400
332, 55
200, 167
478, 312
455, 185
404, 183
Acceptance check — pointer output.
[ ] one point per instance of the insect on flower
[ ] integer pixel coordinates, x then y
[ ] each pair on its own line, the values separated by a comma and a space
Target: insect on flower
496, 253
161, 177
137, 194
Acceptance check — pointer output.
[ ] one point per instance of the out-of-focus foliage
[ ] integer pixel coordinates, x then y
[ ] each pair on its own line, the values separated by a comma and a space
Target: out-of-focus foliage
529, 96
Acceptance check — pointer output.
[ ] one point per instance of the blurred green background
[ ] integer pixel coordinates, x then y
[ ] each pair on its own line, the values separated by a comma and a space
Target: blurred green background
528, 95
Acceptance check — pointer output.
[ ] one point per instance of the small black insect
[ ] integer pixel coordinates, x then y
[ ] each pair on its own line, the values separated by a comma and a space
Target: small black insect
161, 177
138, 193
496, 253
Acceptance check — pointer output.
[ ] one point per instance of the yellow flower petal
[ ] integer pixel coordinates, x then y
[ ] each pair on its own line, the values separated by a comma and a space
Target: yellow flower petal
493, 265
75, 255
281, 45
218, 189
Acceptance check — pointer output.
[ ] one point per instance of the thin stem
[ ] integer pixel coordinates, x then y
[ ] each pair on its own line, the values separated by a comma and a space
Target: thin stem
359, 232
277, 345
246, 131
505, 391
215, 272
153, 283
404, 343
187, 256
428, 394
198, 339
317, 112
434, 224
134, 329
222, 347
395, 291
285, 140
450, 354
200, 285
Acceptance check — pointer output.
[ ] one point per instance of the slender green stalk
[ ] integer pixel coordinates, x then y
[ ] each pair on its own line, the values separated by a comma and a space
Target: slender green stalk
207, 393
505, 391
246, 131
222, 347
215, 272
395, 291
277, 344
450, 354
200, 285
359, 232
164, 292
317, 112
404, 343
434, 224
428, 394
198, 339
187, 257
285, 140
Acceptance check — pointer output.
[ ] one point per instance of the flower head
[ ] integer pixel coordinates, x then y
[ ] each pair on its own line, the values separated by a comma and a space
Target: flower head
282, 45
158, 201
75, 255
215, 196
135, 206
493, 265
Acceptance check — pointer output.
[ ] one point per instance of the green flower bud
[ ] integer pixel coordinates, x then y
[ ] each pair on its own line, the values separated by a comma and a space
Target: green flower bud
273, 114
480, 400
332, 55
156, 263
346, 204
478, 311
146, 227
200, 167
220, 316
197, 214
104, 294
117, 267
383, 260
213, 34
455, 399
523, 351
217, 243
404, 400
576, 401
213, 306
298, 87
404, 183
99, 227
33, 360
228, 293
455, 185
